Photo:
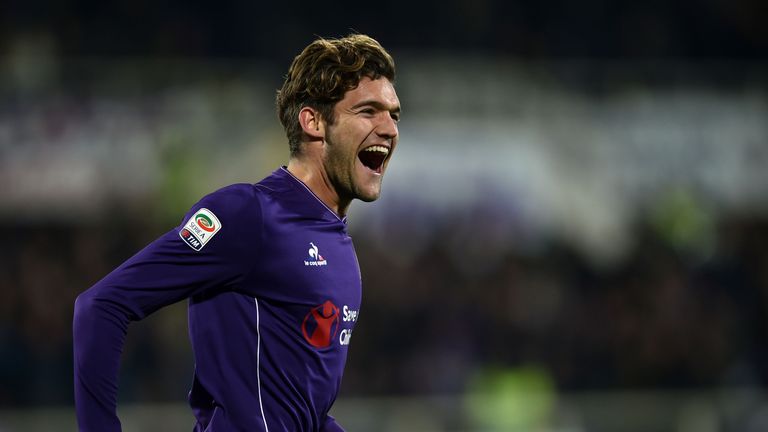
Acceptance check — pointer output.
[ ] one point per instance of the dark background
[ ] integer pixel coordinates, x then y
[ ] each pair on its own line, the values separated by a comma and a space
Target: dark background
274, 30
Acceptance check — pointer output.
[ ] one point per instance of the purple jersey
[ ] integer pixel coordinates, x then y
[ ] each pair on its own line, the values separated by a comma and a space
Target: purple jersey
274, 292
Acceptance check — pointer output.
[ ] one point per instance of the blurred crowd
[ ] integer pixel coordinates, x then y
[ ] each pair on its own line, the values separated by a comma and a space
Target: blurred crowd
660, 317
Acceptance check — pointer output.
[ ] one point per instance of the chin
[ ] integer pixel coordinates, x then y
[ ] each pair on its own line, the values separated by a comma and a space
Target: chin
367, 191
369, 196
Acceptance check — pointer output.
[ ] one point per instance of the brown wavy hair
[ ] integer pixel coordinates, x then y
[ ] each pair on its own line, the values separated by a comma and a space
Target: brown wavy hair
322, 73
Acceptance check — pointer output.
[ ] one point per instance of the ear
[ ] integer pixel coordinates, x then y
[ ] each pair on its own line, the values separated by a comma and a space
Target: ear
311, 123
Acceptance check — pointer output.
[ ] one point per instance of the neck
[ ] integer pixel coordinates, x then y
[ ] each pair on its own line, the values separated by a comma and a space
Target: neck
316, 179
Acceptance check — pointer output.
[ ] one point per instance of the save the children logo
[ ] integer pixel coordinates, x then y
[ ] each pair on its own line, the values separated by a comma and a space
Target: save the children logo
315, 259
321, 325
200, 229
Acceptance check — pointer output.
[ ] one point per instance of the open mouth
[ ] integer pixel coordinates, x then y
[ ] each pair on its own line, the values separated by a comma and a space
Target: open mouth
373, 157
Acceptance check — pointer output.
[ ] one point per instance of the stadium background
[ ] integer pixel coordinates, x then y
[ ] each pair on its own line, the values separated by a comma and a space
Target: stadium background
572, 235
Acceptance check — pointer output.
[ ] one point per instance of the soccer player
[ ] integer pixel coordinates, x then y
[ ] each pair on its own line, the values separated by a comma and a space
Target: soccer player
270, 272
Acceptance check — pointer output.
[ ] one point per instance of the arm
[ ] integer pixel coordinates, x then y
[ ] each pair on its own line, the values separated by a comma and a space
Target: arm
99, 334
165, 272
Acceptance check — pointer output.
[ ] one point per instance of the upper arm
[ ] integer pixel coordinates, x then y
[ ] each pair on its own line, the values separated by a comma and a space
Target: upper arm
171, 268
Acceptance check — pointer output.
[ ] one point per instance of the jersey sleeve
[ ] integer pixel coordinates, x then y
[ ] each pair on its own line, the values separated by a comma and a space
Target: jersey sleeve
207, 253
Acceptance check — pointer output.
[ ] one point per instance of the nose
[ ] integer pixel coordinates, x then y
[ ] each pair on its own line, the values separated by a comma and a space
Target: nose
387, 127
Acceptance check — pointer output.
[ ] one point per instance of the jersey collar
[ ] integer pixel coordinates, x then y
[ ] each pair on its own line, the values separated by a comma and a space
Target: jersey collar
295, 180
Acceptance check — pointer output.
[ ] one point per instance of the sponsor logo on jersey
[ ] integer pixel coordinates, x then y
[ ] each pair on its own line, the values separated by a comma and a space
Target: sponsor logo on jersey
200, 229
315, 259
321, 325
348, 315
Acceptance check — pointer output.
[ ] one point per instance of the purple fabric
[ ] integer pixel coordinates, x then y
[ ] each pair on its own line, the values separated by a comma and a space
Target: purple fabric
273, 297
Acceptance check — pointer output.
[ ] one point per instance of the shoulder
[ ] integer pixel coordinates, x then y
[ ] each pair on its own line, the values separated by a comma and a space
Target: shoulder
231, 205
235, 196
232, 200
232, 214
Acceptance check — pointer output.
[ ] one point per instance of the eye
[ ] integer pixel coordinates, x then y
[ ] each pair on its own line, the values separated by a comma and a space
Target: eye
368, 111
395, 117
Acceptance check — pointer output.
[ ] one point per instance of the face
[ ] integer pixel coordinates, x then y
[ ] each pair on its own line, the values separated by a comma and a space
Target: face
359, 144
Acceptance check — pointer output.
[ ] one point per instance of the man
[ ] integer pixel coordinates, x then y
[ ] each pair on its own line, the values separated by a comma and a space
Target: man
270, 272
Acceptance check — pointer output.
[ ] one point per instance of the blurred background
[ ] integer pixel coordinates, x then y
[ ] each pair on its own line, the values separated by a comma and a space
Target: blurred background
572, 234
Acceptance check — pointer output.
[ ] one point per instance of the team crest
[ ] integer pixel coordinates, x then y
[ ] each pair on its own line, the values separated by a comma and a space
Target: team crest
200, 229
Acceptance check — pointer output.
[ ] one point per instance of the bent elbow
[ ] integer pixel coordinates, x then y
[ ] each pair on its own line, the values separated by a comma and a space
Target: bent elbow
84, 305
83, 315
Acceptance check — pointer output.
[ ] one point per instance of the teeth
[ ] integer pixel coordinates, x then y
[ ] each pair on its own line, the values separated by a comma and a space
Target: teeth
377, 148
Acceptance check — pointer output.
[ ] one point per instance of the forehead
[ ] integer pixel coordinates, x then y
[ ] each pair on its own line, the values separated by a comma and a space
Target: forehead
379, 90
